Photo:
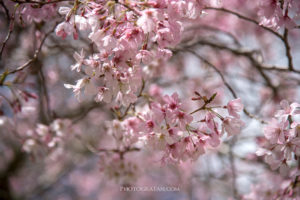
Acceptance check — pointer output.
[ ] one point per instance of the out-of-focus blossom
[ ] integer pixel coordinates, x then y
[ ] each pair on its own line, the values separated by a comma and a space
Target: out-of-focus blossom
235, 106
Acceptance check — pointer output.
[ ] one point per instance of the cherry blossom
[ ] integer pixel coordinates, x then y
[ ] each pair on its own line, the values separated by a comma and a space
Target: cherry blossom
232, 126
235, 106
103, 94
79, 61
282, 138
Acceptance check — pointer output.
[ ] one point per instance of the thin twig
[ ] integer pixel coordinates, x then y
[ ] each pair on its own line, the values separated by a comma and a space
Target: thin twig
280, 69
212, 28
246, 53
288, 49
283, 38
30, 61
131, 104
45, 96
128, 7
245, 18
225, 83
10, 30
5, 9
85, 112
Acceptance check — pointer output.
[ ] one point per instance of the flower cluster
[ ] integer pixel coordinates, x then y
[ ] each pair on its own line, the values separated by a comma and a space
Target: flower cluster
275, 13
169, 128
124, 32
166, 127
282, 138
232, 124
125, 133
273, 186
46, 136
36, 13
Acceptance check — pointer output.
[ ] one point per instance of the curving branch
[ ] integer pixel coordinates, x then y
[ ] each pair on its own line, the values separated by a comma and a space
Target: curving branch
283, 38
30, 61
5, 9
11, 20
225, 83
245, 18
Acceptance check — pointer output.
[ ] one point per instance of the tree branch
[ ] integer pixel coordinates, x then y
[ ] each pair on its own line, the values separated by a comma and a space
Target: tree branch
246, 19
30, 61
10, 29
288, 49
225, 83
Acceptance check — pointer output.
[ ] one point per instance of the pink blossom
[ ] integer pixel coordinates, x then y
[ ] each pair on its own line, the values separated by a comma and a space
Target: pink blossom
235, 106
29, 13
134, 124
209, 134
210, 122
64, 29
109, 42
172, 101
172, 135
148, 19
97, 37
293, 109
81, 83
183, 119
275, 132
155, 90
65, 10
104, 94
126, 98
164, 53
132, 37
144, 56
79, 60
232, 126
187, 9
168, 34
159, 112
81, 23
287, 22
268, 8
